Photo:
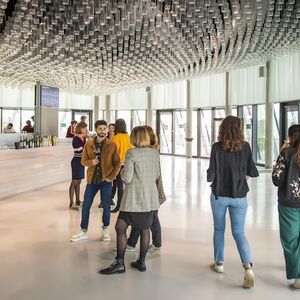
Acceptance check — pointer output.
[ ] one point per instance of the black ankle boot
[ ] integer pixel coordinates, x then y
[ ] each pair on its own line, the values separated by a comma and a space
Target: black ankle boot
117, 267
140, 265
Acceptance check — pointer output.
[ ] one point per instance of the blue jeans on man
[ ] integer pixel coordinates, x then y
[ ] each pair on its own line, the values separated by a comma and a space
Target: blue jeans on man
89, 195
237, 210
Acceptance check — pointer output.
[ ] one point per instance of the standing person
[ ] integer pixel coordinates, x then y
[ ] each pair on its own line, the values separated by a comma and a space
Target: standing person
101, 157
83, 119
110, 135
71, 129
28, 127
9, 128
286, 176
111, 131
122, 140
140, 199
155, 227
230, 166
77, 168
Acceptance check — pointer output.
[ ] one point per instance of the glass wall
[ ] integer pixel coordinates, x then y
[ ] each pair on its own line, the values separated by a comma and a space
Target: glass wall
180, 132
126, 115
64, 120
12, 116
139, 118
166, 132
26, 114
205, 132
247, 121
195, 133
219, 115
276, 131
260, 148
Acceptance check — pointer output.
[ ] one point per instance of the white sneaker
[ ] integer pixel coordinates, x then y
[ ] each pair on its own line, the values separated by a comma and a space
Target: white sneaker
153, 250
218, 268
249, 279
296, 284
79, 237
128, 249
106, 237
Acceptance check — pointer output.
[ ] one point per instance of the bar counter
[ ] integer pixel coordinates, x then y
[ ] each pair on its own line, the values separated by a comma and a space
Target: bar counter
28, 169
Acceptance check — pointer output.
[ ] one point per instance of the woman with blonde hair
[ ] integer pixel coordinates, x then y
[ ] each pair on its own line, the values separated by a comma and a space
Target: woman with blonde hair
155, 227
230, 166
140, 198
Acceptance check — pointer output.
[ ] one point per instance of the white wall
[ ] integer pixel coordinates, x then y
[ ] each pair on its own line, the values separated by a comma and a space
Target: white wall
129, 100
13, 97
285, 78
246, 87
208, 91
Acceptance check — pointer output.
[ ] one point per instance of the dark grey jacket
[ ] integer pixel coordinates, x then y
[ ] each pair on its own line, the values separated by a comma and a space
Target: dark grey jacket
286, 176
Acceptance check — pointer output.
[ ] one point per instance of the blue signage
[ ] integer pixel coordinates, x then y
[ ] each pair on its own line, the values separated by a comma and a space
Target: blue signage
49, 96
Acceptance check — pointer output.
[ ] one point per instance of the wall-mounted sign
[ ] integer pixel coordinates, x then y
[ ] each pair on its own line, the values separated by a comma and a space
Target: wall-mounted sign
49, 96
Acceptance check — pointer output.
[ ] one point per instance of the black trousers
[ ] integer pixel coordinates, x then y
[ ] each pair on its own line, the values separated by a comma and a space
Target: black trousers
118, 184
155, 230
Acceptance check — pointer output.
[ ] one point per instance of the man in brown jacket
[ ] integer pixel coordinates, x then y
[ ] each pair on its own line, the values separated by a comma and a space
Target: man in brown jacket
101, 157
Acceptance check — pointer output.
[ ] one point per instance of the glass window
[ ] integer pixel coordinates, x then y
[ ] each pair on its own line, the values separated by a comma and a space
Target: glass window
113, 116
247, 120
205, 134
165, 130
219, 117
234, 111
139, 118
126, 115
195, 133
276, 132
154, 120
11, 116
261, 133
64, 120
26, 115
101, 114
180, 132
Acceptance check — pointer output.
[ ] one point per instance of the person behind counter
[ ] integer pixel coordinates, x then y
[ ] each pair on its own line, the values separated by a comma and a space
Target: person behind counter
28, 127
77, 168
71, 129
9, 128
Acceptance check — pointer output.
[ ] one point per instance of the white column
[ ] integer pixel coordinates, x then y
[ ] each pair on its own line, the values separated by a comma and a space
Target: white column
228, 107
107, 109
96, 108
268, 122
189, 121
149, 107
37, 109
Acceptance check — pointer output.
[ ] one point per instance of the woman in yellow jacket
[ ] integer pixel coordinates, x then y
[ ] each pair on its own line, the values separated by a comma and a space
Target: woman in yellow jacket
122, 140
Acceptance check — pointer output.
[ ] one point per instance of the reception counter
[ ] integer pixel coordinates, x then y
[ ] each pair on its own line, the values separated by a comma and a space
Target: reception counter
29, 169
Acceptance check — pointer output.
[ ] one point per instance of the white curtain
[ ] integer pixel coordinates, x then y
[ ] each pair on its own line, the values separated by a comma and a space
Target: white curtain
284, 77
75, 101
246, 87
129, 100
208, 91
169, 96
27, 98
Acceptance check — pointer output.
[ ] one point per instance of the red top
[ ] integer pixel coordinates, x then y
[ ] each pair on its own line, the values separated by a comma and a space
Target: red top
70, 132
28, 128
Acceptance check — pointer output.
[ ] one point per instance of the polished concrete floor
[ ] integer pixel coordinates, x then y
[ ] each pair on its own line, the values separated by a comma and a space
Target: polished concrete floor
37, 261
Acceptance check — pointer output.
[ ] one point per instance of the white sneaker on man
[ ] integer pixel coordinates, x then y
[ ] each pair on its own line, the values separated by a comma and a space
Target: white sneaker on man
153, 250
79, 236
106, 237
248, 279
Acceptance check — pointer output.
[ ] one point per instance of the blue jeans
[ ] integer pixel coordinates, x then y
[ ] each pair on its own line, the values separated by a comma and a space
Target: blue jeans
89, 195
237, 210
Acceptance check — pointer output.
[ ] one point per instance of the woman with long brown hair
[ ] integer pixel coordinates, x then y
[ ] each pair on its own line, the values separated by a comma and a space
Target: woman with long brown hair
286, 176
230, 166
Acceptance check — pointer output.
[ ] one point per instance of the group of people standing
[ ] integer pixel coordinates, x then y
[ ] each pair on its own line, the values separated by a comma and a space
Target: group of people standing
134, 161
